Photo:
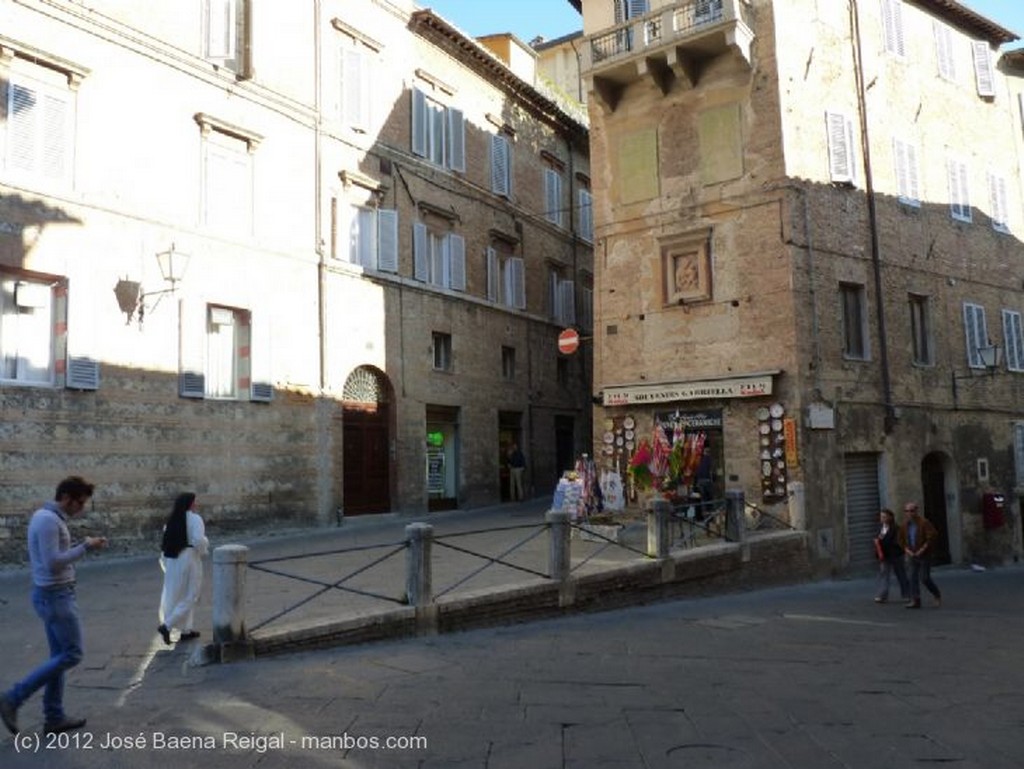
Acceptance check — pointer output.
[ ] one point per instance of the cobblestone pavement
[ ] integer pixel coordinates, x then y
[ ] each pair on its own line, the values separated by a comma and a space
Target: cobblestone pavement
811, 677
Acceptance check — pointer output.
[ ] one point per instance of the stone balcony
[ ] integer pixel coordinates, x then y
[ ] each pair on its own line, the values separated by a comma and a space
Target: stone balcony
670, 43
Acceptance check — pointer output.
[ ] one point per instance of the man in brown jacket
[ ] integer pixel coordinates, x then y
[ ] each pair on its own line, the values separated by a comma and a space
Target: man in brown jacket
917, 537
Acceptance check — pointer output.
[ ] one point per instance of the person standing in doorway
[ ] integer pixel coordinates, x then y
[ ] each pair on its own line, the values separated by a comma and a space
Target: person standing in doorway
918, 537
52, 559
516, 468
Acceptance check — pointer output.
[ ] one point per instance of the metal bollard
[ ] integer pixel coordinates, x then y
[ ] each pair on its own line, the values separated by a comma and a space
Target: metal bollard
230, 563
659, 519
559, 547
419, 587
735, 515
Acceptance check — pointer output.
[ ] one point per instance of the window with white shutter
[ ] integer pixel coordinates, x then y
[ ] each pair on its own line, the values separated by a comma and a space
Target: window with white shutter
40, 132
387, 240
997, 200
438, 132
506, 279
944, 50
1013, 340
363, 237
975, 333
227, 194
630, 9
841, 148
501, 165
892, 24
223, 354
515, 282
553, 196
226, 34
563, 299
906, 172
439, 258
959, 190
223, 331
356, 86
373, 238
586, 215
31, 319
983, 70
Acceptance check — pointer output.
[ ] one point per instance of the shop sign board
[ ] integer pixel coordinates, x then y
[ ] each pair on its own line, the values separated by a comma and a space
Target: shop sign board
739, 387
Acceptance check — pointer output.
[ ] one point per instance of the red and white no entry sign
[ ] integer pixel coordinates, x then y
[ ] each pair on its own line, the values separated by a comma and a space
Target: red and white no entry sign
568, 341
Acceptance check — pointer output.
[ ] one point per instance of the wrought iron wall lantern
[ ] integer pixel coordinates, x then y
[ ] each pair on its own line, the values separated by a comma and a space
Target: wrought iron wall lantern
131, 299
991, 356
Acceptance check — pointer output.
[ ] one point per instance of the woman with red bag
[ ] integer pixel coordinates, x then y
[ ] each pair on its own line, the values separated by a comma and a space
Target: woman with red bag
890, 556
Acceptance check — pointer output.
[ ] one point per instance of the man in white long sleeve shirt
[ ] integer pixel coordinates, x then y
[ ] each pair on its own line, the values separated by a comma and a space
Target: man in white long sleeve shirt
53, 595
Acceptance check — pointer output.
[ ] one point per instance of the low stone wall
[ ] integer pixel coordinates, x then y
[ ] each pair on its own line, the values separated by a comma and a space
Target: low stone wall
764, 559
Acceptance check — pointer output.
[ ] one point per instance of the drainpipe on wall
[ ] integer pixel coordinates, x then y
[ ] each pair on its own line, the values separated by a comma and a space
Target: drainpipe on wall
318, 200
876, 256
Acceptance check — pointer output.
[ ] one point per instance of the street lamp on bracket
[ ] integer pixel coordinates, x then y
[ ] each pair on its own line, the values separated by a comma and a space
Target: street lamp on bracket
991, 356
131, 299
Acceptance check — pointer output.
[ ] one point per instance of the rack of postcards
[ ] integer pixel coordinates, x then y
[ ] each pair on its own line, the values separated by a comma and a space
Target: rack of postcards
772, 451
618, 441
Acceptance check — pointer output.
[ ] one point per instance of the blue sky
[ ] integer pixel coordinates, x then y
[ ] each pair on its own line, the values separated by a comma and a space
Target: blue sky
554, 18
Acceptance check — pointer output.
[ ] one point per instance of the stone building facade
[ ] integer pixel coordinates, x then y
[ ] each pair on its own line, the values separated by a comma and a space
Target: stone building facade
822, 206
384, 236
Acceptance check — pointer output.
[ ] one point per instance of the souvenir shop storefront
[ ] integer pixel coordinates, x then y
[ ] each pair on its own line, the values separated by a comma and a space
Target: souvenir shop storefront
689, 441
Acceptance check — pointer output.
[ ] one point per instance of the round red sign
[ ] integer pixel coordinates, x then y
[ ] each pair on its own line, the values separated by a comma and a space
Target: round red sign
568, 341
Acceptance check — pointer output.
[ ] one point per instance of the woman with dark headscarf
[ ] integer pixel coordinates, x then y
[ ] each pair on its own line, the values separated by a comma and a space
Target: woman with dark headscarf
182, 549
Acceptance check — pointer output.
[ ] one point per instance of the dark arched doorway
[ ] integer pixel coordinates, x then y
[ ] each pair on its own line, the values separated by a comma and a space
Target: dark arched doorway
367, 457
933, 487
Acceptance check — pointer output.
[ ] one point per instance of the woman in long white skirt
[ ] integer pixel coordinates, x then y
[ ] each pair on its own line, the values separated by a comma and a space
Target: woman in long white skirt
182, 549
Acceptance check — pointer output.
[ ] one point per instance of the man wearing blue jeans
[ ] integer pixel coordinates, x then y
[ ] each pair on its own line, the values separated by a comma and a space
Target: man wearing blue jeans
53, 596
918, 537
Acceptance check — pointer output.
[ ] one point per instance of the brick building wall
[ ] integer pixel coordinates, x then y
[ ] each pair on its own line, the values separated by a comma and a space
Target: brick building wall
732, 142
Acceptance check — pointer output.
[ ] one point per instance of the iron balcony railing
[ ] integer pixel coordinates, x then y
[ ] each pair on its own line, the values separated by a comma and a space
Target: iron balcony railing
664, 26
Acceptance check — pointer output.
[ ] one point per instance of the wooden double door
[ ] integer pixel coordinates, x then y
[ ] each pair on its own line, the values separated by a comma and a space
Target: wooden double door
367, 459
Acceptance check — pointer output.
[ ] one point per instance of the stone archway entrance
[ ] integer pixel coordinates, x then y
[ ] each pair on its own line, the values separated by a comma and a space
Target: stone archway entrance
366, 445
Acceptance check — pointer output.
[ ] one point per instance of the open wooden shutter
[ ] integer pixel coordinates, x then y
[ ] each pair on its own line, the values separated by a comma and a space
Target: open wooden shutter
840, 148
420, 255
419, 123
456, 140
983, 72
387, 240
457, 258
